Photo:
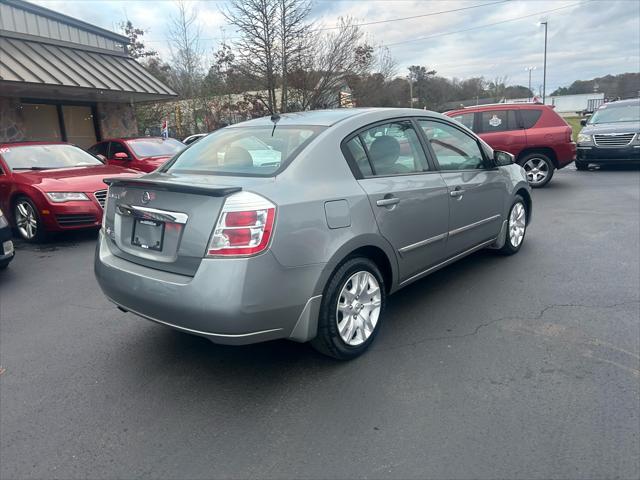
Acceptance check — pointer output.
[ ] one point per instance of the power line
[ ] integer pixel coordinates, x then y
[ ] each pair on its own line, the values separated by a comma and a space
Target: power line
415, 16
483, 26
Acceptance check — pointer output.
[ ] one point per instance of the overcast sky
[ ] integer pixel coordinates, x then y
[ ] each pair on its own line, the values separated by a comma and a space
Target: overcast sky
587, 39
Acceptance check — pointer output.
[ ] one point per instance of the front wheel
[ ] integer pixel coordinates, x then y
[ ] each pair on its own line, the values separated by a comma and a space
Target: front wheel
351, 312
516, 227
539, 169
27, 220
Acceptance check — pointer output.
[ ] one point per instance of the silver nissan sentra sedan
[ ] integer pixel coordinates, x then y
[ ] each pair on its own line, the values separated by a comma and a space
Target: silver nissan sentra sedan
299, 226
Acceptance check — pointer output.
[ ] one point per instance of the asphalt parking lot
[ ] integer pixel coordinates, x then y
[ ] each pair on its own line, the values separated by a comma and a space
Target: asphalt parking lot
519, 367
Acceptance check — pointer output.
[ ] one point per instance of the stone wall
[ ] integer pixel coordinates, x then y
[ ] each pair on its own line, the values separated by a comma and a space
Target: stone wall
117, 120
11, 123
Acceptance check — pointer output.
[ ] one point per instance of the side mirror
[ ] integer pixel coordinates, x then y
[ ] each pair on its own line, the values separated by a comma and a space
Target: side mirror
502, 159
121, 156
583, 122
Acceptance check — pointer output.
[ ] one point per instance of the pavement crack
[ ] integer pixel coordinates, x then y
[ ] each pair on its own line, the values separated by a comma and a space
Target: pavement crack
479, 327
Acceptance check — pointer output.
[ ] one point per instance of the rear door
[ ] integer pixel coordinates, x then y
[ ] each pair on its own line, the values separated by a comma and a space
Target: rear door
502, 129
408, 197
476, 193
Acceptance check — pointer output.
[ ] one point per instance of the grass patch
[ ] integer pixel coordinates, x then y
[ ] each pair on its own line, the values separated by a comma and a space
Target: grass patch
574, 123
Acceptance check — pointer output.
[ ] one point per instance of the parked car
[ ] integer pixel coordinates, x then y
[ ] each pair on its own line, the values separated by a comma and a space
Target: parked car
611, 135
310, 247
138, 153
47, 187
194, 138
6, 245
539, 138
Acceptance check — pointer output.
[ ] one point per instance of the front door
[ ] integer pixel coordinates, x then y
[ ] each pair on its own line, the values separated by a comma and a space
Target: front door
409, 199
476, 193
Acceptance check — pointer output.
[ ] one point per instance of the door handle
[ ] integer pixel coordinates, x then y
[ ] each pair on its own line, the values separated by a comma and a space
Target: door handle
457, 192
387, 202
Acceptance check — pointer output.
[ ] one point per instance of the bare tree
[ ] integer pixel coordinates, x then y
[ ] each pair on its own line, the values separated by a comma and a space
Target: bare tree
257, 49
294, 35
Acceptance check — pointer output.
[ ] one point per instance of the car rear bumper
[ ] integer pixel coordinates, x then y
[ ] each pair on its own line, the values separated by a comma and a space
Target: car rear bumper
231, 301
565, 154
609, 155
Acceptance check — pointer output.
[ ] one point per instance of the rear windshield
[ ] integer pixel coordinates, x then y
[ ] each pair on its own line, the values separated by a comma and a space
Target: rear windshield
43, 157
616, 114
155, 147
252, 151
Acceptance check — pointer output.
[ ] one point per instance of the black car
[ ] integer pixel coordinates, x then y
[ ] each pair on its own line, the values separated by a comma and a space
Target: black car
6, 245
611, 135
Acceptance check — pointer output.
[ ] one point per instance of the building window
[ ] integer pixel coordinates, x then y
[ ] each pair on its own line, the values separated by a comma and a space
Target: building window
41, 122
57, 122
79, 125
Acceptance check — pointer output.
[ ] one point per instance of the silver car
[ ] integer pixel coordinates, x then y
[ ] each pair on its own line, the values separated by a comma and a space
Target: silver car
356, 204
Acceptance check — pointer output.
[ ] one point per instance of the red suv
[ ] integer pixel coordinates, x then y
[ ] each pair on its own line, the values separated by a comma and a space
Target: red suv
538, 137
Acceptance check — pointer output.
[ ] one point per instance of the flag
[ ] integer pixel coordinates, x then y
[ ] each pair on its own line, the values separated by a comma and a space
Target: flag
165, 129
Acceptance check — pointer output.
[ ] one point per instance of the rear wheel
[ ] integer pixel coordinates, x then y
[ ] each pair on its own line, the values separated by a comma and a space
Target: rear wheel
516, 227
581, 166
28, 223
351, 312
539, 169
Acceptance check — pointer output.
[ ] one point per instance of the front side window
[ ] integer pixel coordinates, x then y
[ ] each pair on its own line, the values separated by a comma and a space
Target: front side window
498, 121
394, 149
454, 149
117, 147
253, 151
466, 119
100, 149
155, 147
44, 157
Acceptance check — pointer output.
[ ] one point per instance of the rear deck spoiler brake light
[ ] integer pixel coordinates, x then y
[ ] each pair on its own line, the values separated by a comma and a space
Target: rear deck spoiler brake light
171, 187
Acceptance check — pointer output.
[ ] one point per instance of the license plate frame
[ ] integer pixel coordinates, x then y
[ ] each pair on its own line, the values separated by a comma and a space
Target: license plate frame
152, 233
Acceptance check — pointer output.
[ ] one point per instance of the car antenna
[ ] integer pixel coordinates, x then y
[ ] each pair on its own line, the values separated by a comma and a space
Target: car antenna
275, 118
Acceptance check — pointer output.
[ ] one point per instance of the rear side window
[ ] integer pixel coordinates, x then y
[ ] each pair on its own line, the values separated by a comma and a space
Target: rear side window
498, 121
394, 149
530, 117
248, 151
466, 119
359, 156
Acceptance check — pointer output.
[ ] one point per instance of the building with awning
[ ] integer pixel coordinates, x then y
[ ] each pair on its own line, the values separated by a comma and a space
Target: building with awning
62, 79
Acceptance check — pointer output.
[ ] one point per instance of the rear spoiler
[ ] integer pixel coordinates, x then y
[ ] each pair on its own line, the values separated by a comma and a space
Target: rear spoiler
171, 187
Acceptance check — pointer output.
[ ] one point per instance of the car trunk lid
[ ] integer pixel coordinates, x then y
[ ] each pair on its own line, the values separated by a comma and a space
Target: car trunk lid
165, 221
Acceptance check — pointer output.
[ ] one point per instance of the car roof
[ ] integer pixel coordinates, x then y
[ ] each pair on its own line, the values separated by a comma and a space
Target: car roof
138, 137
328, 118
623, 103
493, 106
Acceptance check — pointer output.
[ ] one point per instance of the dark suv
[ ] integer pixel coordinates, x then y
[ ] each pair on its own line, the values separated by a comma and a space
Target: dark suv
611, 135
539, 138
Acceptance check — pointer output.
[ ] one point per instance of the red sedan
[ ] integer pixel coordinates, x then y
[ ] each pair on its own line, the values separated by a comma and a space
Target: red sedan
139, 153
47, 187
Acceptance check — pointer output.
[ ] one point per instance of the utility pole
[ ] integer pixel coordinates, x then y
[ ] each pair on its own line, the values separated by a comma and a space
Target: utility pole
410, 92
530, 91
544, 71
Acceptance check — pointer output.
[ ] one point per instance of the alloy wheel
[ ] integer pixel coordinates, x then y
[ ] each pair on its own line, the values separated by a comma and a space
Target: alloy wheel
517, 224
537, 170
358, 308
26, 220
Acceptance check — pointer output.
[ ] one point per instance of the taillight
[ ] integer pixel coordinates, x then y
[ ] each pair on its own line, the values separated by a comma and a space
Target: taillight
244, 226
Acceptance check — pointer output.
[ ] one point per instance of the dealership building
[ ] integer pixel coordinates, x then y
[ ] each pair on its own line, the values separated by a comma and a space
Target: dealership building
62, 79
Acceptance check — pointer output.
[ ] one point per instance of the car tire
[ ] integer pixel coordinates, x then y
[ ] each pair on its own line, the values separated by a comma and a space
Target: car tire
28, 223
539, 168
516, 227
356, 286
582, 166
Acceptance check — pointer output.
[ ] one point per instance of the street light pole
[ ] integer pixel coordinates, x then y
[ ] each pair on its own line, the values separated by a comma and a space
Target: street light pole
544, 72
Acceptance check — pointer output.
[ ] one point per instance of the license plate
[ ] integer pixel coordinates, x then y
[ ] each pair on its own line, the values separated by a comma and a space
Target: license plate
148, 234
7, 247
